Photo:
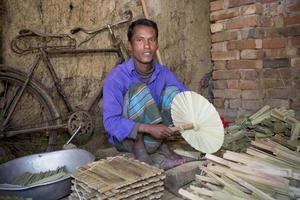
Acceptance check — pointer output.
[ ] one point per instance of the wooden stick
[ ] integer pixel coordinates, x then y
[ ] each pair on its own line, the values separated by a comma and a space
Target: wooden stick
182, 127
145, 11
189, 195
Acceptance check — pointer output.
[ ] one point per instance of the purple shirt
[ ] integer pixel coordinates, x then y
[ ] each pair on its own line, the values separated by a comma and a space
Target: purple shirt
117, 84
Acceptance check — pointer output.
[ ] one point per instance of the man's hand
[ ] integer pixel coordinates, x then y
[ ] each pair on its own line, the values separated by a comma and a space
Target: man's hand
156, 130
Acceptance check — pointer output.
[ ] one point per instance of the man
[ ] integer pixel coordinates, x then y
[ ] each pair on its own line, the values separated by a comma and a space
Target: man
137, 99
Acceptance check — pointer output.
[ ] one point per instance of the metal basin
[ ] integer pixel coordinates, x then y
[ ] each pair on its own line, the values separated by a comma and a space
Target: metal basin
71, 159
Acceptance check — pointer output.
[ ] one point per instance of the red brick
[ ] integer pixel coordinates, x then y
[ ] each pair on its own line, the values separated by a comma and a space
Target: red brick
265, 21
219, 64
249, 74
295, 104
296, 84
219, 103
220, 84
252, 104
217, 27
244, 64
276, 83
224, 14
275, 43
219, 46
226, 74
216, 5
235, 103
251, 94
236, 3
225, 55
228, 113
294, 7
277, 102
286, 93
219, 93
223, 36
275, 53
292, 20
251, 9
232, 93
249, 54
241, 22
295, 62
283, 73
295, 41
244, 44
243, 84
295, 73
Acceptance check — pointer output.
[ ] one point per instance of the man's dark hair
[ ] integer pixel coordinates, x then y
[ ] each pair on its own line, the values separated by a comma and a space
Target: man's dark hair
144, 22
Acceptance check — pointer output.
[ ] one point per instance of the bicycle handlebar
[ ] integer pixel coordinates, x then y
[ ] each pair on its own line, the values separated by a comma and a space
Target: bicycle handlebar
128, 17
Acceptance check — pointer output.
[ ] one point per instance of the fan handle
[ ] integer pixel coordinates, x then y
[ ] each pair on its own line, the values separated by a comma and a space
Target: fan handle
182, 127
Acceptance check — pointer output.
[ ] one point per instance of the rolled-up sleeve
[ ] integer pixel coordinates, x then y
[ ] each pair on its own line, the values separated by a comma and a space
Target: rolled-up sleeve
114, 122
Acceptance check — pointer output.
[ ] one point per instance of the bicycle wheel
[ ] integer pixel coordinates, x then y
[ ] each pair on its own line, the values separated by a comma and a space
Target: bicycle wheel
35, 109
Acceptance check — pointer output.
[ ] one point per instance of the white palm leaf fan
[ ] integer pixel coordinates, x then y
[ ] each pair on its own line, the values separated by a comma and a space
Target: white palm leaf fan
207, 134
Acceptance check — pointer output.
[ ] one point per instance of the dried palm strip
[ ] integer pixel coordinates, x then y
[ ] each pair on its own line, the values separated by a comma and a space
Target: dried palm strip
260, 112
261, 165
136, 190
234, 190
270, 158
146, 193
224, 195
201, 179
189, 195
159, 178
268, 182
277, 149
201, 191
256, 169
211, 187
190, 154
258, 192
295, 131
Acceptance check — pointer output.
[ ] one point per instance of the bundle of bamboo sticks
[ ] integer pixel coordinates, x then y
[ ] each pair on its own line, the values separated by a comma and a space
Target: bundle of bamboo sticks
266, 171
118, 178
265, 123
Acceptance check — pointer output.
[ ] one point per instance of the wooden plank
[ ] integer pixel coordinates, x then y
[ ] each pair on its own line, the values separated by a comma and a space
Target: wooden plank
200, 179
260, 193
189, 195
202, 191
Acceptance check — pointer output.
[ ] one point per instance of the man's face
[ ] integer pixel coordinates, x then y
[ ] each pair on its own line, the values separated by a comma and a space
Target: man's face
143, 44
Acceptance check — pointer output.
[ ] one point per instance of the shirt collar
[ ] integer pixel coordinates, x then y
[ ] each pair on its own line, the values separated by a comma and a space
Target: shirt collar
131, 68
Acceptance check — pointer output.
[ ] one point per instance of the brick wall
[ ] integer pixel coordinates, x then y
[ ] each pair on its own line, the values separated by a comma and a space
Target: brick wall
256, 54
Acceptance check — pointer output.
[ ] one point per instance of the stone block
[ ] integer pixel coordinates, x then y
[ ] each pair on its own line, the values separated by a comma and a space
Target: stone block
226, 74
251, 94
286, 93
232, 93
248, 74
292, 20
276, 63
217, 27
223, 36
216, 5
225, 55
275, 53
241, 22
235, 103
219, 64
252, 9
219, 46
245, 44
295, 62
252, 54
244, 64
181, 175
274, 43
224, 14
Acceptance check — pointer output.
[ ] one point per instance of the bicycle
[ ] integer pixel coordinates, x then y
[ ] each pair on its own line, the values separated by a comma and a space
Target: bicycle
28, 113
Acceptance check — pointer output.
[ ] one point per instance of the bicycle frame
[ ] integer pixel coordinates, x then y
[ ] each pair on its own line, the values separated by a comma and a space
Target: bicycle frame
43, 55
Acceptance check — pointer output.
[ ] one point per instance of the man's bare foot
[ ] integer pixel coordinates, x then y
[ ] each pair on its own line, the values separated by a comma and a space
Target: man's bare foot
169, 153
141, 154
168, 163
